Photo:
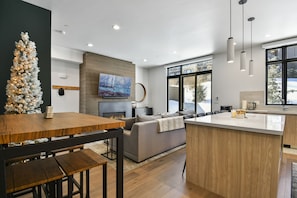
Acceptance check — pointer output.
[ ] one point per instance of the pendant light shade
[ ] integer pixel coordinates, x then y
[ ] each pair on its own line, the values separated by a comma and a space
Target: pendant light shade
242, 61
251, 68
243, 53
230, 42
230, 50
251, 63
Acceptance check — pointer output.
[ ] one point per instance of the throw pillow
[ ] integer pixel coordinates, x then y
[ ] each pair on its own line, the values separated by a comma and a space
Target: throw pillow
129, 122
143, 118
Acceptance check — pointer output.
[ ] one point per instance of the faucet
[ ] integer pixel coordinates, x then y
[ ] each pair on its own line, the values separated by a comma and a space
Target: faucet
284, 106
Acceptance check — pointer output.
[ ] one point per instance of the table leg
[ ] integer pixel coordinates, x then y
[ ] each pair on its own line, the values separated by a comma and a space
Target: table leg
120, 169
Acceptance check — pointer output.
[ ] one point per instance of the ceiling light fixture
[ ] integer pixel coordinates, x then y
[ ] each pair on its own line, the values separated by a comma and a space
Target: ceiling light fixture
251, 63
116, 27
144, 60
90, 45
230, 42
243, 53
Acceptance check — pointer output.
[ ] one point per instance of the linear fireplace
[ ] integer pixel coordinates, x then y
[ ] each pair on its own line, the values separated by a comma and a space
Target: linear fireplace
114, 115
115, 109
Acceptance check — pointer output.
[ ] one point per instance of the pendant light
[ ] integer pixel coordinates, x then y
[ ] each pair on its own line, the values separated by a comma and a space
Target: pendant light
230, 42
243, 53
251, 63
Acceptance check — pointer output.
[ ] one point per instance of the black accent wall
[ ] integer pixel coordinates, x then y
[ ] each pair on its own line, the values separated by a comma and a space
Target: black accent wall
17, 16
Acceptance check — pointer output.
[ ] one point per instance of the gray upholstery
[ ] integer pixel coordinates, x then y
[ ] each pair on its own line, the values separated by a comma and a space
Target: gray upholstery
144, 140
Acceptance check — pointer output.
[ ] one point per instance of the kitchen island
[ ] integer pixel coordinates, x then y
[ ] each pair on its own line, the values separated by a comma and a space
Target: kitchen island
235, 157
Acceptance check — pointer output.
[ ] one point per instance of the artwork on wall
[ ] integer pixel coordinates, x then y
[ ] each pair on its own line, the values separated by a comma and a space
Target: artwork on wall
113, 86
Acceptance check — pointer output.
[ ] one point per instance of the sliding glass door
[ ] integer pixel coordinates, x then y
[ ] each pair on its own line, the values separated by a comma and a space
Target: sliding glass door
203, 93
188, 93
173, 95
189, 87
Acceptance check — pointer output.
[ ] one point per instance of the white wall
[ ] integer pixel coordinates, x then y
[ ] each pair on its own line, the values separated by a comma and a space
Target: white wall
158, 89
70, 101
141, 76
227, 81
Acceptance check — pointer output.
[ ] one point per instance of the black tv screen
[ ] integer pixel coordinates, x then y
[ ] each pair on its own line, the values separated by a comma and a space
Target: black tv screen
114, 86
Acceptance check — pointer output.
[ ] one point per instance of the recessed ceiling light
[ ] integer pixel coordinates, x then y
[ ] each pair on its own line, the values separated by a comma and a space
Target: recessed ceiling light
267, 35
116, 27
144, 60
174, 52
90, 45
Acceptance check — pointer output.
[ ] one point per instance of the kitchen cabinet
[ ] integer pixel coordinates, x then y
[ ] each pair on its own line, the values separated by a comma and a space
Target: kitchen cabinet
231, 156
290, 132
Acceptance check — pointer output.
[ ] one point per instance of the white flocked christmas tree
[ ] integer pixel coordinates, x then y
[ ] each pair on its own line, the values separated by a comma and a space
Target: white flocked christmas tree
23, 90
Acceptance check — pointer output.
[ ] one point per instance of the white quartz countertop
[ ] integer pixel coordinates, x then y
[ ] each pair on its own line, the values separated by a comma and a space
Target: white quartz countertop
279, 112
254, 122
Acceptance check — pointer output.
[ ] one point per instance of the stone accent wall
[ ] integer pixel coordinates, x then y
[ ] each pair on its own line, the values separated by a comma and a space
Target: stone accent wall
92, 65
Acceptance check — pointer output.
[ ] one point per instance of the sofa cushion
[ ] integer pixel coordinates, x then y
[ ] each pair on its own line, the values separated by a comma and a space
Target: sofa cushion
129, 122
166, 115
187, 113
143, 118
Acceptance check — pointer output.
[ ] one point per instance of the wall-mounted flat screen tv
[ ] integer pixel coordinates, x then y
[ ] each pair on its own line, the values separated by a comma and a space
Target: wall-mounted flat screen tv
113, 86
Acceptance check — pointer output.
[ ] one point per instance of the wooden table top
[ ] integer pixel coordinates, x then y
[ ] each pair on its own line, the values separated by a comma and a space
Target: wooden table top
21, 127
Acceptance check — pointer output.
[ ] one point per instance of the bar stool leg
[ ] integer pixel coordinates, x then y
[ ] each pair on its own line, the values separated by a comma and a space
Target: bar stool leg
59, 188
184, 168
81, 187
70, 186
104, 169
87, 183
38, 191
52, 190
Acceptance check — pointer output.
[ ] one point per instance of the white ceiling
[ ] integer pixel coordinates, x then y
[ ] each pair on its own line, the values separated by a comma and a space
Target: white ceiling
153, 30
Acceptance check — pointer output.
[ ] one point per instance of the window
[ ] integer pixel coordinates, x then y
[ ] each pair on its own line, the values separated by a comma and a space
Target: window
281, 75
189, 87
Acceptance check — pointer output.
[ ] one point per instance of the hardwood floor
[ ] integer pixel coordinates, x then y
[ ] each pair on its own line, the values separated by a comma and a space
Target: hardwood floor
162, 178
284, 187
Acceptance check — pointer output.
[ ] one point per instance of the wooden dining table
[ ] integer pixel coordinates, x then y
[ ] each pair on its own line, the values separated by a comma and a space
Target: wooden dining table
82, 128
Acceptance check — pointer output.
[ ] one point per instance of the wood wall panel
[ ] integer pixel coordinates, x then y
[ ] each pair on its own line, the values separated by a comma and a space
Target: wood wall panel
233, 163
92, 65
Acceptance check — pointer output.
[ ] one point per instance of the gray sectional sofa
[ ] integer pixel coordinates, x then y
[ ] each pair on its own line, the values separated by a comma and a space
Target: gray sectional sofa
145, 137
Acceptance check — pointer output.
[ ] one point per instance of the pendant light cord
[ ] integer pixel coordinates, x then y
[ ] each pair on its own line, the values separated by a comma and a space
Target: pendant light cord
242, 27
251, 40
230, 19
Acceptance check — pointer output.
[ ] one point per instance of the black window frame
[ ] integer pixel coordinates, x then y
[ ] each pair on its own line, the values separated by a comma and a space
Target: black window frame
284, 62
180, 77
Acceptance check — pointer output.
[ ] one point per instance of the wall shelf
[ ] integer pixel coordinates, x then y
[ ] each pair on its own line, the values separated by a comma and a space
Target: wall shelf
65, 87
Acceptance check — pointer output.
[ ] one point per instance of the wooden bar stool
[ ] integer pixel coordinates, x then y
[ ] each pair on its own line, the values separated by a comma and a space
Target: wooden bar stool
22, 176
79, 162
